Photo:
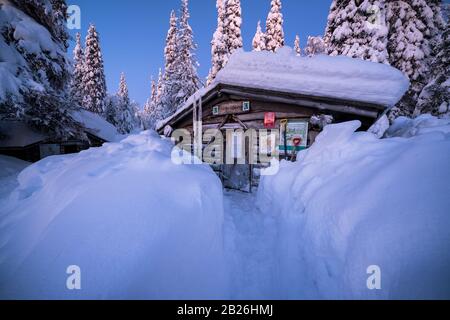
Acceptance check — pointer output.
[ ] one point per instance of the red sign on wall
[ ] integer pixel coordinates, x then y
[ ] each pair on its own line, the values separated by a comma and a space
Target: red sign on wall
269, 120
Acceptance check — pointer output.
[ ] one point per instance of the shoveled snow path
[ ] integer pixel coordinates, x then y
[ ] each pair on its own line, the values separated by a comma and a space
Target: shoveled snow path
250, 247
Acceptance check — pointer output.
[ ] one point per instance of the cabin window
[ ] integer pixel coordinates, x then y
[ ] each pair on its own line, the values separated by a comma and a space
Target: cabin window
246, 106
48, 150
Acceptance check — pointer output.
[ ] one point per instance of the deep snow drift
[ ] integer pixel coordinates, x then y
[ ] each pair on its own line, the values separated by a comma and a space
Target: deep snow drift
137, 225
353, 201
141, 227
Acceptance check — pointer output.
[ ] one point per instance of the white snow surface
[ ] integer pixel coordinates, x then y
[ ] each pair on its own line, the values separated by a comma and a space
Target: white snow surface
136, 224
142, 227
426, 123
322, 76
96, 125
380, 127
352, 201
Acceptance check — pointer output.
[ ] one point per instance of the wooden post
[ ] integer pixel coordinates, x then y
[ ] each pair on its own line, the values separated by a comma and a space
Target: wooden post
197, 128
200, 130
194, 127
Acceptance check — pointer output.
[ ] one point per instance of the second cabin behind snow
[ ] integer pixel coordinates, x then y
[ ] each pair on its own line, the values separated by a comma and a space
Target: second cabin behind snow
290, 97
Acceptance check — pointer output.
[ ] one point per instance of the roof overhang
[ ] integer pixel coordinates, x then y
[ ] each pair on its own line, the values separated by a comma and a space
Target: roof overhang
321, 104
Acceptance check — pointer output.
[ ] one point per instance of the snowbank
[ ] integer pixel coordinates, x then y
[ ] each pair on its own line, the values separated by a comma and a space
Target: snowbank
407, 128
323, 76
10, 166
9, 169
137, 225
354, 201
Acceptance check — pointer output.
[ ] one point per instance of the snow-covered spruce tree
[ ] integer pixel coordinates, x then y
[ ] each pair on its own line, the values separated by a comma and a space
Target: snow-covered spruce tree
149, 104
297, 48
52, 14
332, 24
35, 70
119, 110
259, 40
435, 97
169, 82
438, 25
274, 27
153, 92
112, 108
413, 30
159, 108
233, 22
219, 50
180, 80
127, 118
149, 108
187, 64
76, 85
123, 89
357, 28
315, 45
94, 75
170, 50
159, 87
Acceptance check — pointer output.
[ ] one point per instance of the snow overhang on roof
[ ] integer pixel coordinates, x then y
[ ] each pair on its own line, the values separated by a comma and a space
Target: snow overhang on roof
352, 82
19, 134
321, 76
96, 125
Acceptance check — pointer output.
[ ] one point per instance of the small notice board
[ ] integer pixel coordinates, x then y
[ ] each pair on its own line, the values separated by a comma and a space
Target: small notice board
294, 136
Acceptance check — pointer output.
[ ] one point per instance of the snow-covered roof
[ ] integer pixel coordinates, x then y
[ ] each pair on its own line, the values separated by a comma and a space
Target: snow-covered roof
320, 76
96, 125
19, 134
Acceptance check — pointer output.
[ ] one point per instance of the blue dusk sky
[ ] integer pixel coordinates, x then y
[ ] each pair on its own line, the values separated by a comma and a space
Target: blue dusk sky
132, 33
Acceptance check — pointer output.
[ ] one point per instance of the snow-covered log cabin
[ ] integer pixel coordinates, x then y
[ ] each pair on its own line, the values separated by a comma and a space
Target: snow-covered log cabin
21, 141
263, 90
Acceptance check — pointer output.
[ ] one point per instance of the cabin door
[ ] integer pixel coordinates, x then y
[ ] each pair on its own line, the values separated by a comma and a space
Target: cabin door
236, 176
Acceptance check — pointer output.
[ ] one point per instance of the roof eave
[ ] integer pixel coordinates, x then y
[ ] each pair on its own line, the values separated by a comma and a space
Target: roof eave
320, 103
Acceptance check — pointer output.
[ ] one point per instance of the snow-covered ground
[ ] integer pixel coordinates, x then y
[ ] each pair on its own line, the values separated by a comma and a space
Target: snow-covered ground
140, 226
250, 246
